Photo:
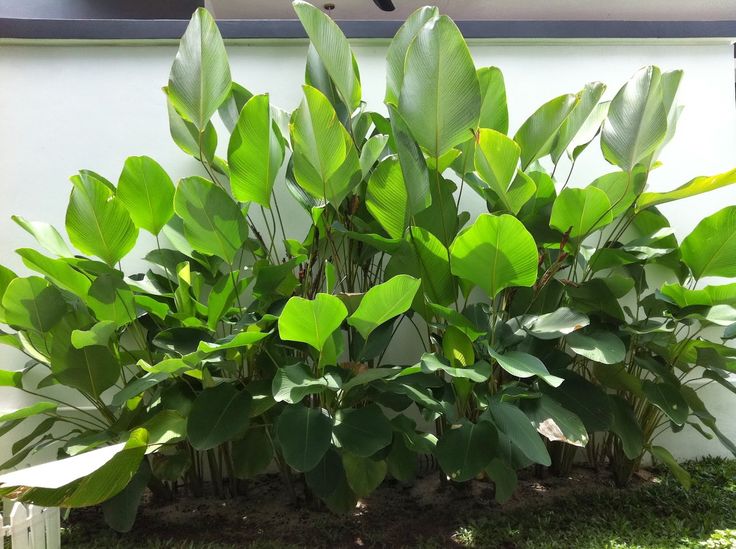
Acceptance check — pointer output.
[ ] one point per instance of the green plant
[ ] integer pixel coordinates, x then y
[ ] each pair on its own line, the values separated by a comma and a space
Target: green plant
244, 345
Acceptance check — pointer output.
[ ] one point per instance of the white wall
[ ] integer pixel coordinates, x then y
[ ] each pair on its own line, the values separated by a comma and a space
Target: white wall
64, 108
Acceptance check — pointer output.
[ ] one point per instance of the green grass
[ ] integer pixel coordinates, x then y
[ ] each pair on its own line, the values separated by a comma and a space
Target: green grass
661, 515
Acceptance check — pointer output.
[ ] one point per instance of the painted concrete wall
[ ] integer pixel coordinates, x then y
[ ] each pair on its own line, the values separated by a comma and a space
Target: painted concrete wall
63, 108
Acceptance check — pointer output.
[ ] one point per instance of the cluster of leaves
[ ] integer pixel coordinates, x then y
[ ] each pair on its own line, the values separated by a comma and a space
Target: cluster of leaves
242, 347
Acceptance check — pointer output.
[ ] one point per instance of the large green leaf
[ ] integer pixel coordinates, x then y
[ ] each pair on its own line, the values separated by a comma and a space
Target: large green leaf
580, 211
585, 399
496, 160
200, 145
58, 271
637, 120
585, 109
83, 480
662, 454
413, 164
464, 451
396, 54
96, 220
333, 49
386, 197
383, 302
200, 76
255, 153
213, 222
91, 369
496, 252
292, 383
440, 95
603, 347
621, 188
556, 324
432, 266
524, 365
311, 321
121, 510
626, 427
218, 414
326, 163
515, 424
110, 298
33, 304
362, 431
710, 249
667, 398
494, 113
537, 134
695, 186
304, 435
708, 295
555, 422
46, 235
363, 474
147, 191
253, 453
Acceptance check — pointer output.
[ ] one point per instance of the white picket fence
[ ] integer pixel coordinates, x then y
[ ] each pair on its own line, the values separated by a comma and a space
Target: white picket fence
31, 527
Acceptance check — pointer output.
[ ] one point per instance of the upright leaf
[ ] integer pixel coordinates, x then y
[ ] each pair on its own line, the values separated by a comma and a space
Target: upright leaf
494, 113
213, 223
96, 220
695, 186
386, 197
46, 235
383, 302
413, 164
537, 134
147, 192
200, 76
311, 321
637, 120
440, 95
496, 252
580, 211
333, 49
218, 414
396, 54
585, 108
255, 153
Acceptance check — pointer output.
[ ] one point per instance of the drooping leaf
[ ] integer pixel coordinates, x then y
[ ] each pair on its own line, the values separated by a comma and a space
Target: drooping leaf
304, 435
363, 473
580, 211
603, 347
200, 75
662, 454
384, 302
503, 477
637, 120
29, 411
253, 453
46, 235
695, 186
120, 511
626, 427
537, 134
515, 424
96, 220
147, 192
200, 145
311, 321
724, 294
92, 369
440, 95
255, 153
555, 422
496, 252
294, 382
362, 431
466, 450
213, 223
396, 54
476, 372
218, 414
333, 49
556, 324
710, 249
667, 398
58, 271
585, 399
110, 298
32, 303
524, 365
99, 334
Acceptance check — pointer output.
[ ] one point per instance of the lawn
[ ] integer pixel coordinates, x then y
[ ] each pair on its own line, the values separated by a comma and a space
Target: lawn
581, 512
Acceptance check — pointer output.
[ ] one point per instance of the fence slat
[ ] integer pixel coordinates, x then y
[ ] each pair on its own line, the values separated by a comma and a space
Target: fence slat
52, 522
19, 527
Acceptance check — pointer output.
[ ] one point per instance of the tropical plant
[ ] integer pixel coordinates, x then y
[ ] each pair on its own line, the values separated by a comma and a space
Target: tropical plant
245, 345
